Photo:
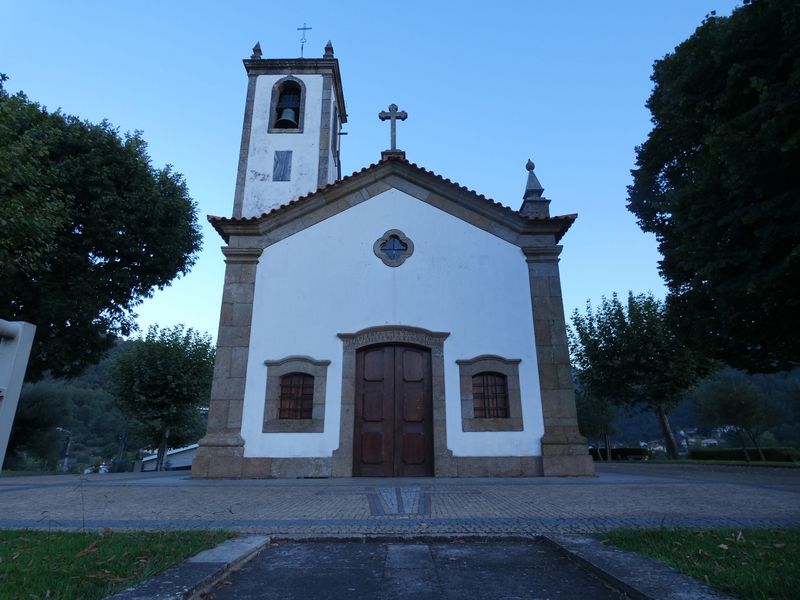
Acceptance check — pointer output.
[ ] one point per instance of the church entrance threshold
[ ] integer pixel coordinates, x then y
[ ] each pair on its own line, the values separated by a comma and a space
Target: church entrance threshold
393, 412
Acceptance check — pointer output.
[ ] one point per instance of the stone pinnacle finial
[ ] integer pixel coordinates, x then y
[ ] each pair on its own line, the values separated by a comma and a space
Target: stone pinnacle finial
328, 50
533, 189
256, 51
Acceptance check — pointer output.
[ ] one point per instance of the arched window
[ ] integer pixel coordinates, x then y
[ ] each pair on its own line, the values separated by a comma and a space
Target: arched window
286, 109
297, 396
490, 395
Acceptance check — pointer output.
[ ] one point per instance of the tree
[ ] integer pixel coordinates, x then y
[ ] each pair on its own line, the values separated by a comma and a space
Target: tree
595, 420
90, 229
729, 400
163, 380
631, 355
35, 435
716, 182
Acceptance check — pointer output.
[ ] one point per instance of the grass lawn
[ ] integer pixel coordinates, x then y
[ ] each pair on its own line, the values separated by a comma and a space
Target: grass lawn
68, 565
747, 564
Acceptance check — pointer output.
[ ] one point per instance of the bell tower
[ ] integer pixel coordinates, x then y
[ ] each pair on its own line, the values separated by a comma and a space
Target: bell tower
290, 137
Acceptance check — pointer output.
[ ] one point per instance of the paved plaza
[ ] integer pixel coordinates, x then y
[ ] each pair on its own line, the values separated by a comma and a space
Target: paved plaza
622, 495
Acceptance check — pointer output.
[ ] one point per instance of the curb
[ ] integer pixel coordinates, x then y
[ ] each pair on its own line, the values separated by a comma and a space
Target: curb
197, 573
637, 576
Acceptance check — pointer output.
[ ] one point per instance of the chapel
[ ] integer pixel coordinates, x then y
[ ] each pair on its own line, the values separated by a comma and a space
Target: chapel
353, 340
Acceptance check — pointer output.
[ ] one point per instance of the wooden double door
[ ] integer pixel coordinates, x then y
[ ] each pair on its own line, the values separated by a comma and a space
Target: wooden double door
393, 435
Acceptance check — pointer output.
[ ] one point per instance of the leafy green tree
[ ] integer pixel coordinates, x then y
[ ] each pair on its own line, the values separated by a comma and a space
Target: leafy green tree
163, 380
34, 436
89, 229
716, 181
631, 355
730, 400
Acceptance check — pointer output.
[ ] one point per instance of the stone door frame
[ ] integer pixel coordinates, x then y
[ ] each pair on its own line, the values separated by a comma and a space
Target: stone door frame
443, 463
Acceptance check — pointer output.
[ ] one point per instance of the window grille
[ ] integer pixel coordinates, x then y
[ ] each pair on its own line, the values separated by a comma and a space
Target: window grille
297, 396
490, 396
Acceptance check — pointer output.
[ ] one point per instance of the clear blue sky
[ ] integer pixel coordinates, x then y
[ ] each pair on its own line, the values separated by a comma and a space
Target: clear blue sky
486, 86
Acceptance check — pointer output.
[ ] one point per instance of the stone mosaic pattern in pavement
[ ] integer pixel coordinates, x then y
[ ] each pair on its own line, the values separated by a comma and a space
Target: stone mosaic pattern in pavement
622, 495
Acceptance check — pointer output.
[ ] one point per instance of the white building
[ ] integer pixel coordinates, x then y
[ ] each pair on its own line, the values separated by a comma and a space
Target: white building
389, 323
175, 459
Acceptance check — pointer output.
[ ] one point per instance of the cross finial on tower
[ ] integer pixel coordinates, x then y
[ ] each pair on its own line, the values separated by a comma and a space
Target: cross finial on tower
303, 39
393, 115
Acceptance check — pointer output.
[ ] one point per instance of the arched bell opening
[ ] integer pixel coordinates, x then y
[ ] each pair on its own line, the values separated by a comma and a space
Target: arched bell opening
286, 111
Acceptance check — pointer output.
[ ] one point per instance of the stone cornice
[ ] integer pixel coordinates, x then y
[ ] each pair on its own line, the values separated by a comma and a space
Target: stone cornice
542, 253
241, 255
428, 187
288, 359
385, 334
485, 357
305, 66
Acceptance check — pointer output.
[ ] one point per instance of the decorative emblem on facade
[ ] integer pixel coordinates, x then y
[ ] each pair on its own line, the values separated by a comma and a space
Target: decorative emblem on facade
393, 248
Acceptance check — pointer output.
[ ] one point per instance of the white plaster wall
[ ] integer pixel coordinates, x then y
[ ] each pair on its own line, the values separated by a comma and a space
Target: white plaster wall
261, 194
326, 280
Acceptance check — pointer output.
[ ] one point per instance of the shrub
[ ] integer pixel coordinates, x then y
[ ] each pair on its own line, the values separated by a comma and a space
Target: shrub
771, 454
621, 453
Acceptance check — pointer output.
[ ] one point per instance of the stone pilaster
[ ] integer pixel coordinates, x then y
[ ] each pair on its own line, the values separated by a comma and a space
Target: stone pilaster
221, 450
564, 450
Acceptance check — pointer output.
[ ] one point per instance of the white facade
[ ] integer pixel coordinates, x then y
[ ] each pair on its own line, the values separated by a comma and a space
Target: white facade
326, 280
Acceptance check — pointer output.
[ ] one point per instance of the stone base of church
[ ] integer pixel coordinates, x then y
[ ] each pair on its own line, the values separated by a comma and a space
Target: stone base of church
564, 454
240, 467
230, 466
498, 466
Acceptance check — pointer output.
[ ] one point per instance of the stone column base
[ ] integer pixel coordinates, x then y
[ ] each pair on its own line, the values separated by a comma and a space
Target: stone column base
565, 453
219, 457
568, 466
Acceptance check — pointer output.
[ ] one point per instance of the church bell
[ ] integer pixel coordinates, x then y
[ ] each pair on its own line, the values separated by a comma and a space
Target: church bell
288, 108
288, 119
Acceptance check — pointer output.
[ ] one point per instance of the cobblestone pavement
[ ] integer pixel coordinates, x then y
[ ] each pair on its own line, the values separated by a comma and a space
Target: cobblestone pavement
631, 495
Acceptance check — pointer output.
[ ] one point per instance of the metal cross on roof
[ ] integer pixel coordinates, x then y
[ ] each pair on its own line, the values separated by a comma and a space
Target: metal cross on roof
303, 39
393, 115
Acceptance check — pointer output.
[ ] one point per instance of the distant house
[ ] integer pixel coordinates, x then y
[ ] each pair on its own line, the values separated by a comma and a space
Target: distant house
177, 459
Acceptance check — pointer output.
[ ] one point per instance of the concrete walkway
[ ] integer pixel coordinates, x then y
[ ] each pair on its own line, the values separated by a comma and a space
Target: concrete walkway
622, 495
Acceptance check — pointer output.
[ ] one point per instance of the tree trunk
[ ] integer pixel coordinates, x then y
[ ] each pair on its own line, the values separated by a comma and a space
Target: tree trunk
758, 447
605, 442
162, 450
666, 431
743, 440
121, 441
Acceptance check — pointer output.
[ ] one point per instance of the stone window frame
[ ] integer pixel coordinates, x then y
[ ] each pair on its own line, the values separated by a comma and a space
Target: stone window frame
276, 369
509, 367
273, 105
389, 262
